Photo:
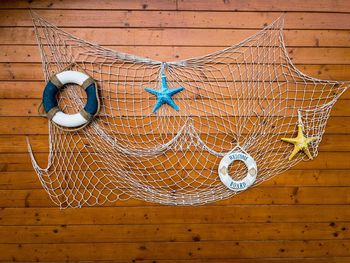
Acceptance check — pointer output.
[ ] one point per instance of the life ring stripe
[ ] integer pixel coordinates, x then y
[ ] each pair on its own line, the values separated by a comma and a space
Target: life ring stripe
92, 100
49, 97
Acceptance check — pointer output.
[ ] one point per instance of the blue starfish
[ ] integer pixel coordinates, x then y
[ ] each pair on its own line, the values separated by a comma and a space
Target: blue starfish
164, 95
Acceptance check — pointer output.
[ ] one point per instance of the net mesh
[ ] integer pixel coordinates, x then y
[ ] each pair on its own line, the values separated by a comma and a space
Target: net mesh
247, 95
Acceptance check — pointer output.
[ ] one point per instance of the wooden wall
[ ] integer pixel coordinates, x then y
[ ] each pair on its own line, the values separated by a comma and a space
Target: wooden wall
302, 215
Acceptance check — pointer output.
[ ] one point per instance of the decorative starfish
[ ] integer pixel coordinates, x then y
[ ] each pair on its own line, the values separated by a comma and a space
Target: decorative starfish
300, 142
164, 95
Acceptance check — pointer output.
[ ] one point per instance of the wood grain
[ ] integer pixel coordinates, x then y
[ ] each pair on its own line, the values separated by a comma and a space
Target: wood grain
299, 55
177, 19
174, 250
233, 5
299, 216
17, 71
177, 37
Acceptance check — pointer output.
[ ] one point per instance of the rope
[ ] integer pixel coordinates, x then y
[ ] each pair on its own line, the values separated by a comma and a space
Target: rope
247, 96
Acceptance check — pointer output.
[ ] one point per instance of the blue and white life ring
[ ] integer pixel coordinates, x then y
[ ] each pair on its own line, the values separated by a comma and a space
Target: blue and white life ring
50, 103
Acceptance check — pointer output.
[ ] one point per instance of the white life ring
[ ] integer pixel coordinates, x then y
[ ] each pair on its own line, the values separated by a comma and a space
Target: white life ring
226, 179
50, 102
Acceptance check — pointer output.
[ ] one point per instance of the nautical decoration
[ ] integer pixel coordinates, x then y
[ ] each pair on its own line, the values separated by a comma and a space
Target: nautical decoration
234, 105
164, 94
227, 160
301, 143
50, 103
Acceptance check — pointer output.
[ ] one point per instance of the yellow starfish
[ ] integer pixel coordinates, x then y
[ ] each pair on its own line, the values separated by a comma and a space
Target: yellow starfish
300, 143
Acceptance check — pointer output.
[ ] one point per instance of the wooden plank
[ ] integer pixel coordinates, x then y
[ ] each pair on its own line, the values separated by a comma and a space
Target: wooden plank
226, 108
173, 250
265, 5
256, 196
25, 89
39, 125
91, 4
34, 90
215, 77
175, 19
178, 37
30, 54
25, 180
10, 162
174, 215
233, 5
19, 180
258, 260
240, 260
173, 233
19, 71
18, 144
18, 125
82, 142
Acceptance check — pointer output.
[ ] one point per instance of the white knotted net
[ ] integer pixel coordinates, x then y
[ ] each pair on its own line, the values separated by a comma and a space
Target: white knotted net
247, 95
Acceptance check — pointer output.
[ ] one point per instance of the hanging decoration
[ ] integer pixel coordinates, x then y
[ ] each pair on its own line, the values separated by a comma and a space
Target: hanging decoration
164, 94
301, 143
185, 132
50, 104
248, 180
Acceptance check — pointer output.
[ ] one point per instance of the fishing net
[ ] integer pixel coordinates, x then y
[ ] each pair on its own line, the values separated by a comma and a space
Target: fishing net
245, 97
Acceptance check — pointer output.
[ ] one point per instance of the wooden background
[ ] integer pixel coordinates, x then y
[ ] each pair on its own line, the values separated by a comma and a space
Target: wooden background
302, 215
